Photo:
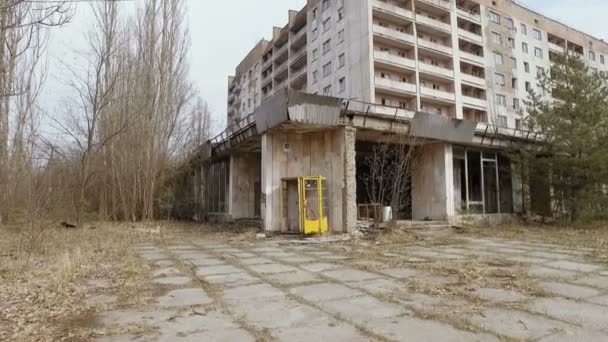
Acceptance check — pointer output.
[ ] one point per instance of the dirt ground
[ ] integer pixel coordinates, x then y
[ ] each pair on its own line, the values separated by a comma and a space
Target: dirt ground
185, 282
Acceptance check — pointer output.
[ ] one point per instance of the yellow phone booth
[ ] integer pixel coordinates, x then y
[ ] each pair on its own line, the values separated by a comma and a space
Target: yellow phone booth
305, 205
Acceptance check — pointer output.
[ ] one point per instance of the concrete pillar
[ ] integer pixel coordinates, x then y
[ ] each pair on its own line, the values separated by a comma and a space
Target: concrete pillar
433, 184
350, 180
266, 200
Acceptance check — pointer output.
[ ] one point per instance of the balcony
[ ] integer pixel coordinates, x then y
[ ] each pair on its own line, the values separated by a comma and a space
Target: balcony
393, 34
433, 23
471, 79
267, 63
556, 48
396, 60
475, 17
438, 94
396, 86
281, 54
297, 56
279, 70
478, 60
434, 46
474, 102
470, 36
436, 70
392, 111
297, 74
392, 10
445, 4
299, 39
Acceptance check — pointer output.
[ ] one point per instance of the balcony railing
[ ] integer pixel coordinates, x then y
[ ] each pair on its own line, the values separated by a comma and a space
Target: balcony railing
296, 74
389, 58
556, 48
472, 58
297, 55
392, 9
395, 85
434, 46
438, 94
298, 35
436, 70
433, 23
474, 37
476, 17
393, 34
392, 111
475, 102
266, 64
439, 3
278, 70
280, 52
473, 79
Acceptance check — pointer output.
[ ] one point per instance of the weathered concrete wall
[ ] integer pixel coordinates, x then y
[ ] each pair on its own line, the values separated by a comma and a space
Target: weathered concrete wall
433, 184
290, 154
245, 171
350, 174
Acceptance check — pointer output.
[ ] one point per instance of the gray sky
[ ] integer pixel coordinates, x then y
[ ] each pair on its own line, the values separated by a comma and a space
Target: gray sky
224, 31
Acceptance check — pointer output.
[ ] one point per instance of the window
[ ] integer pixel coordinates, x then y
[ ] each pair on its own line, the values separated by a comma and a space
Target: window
326, 24
538, 52
538, 35
341, 36
514, 62
539, 71
501, 100
315, 33
340, 13
342, 84
509, 23
383, 101
592, 56
524, 29
327, 69
524, 47
494, 17
325, 5
517, 123
499, 79
315, 76
514, 82
602, 59
327, 90
315, 54
528, 86
327, 46
515, 104
527, 67
341, 60
314, 14
502, 121
512, 43
496, 37
498, 59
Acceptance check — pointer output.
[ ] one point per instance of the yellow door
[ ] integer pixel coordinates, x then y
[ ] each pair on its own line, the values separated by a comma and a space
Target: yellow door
313, 219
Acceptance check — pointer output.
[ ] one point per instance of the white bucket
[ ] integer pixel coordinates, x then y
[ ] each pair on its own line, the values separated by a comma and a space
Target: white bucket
387, 214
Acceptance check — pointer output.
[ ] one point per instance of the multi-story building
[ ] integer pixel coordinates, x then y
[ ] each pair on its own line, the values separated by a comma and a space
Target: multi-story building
467, 59
445, 72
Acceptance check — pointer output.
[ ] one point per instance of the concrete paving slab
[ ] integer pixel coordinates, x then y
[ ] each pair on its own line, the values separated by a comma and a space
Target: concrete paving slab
279, 255
549, 255
598, 281
255, 261
324, 292
272, 314
517, 324
510, 250
128, 317
526, 260
424, 302
500, 295
568, 290
176, 280
320, 253
576, 335
218, 269
378, 286
164, 263
334, 257
232, 279
272, 268
212, 325
348, 274
204, 261
329, 330
604, 273
293, 278
573, 266
320, 267
586, 315
184, 298
600, 300
549, 272
399, 273
266, 249
261, 291
407, 328
298, 260
361, 310
244, 255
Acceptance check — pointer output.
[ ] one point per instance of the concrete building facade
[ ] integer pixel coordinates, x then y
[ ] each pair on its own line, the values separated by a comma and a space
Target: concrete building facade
450, 74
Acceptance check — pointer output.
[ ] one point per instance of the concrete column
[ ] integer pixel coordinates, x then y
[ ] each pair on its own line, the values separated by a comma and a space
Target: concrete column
350, 180
266, 200
433, 184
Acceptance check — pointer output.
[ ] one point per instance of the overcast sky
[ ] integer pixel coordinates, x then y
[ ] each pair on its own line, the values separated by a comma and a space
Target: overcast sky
224, 31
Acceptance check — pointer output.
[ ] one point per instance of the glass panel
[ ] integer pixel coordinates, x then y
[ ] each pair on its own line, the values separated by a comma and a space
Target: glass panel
490, 187
506, 185
460, 186
474, 166
312, 199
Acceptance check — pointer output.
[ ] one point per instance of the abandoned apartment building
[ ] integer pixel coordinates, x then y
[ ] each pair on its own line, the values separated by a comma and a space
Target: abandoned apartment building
448, 77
